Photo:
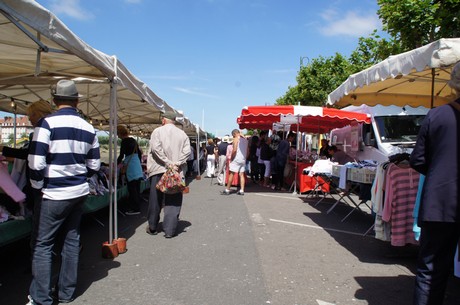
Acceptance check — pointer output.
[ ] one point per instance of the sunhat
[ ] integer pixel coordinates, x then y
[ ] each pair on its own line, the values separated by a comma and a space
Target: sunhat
66, 90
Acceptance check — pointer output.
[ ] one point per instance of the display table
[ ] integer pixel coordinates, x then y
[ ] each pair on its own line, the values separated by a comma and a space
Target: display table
13, 230
306, 183
356, 179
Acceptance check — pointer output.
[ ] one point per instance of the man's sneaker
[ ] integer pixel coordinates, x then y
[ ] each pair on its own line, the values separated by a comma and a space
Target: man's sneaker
31, 301
66, 301
240, 193
132, 212
225, 192
150, 231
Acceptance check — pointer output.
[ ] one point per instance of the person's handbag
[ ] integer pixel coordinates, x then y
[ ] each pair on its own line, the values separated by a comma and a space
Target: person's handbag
124, 168
172, 181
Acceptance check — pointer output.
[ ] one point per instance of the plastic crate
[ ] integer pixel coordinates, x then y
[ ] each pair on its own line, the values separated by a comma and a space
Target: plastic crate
336, 170
362, 175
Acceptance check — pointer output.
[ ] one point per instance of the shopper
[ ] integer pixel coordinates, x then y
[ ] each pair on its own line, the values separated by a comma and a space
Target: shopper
211, 153
169, 146
222, 160
36, 112
237, 165
130, 158
63, 153
436, 155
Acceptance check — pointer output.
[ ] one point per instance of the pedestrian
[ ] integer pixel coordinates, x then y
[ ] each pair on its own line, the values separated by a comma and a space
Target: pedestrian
266, 154
169, 146
221, 159
324, 150
436, 155
191, 160
339, 156
63, 153
237, 165
130, 158
211, 152
254, 144
282, 158
36, 112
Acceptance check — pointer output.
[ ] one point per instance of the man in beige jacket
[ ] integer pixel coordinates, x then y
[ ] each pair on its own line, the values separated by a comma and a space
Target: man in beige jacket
169, 145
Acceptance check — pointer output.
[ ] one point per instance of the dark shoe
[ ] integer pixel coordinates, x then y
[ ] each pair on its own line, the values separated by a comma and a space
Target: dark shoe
225, 192
169, 236
132, 212
150, 232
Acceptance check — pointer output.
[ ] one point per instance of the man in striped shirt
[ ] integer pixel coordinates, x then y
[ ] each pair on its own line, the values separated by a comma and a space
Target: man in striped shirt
63, 153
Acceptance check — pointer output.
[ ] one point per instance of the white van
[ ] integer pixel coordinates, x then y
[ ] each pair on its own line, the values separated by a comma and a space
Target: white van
392, 130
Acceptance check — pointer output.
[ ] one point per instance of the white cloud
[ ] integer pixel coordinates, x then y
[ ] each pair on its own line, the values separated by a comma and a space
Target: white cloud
348, 23
194, 91
70, 8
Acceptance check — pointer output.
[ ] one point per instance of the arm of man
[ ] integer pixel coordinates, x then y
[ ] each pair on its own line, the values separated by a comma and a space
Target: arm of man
418, 155
157, 149
185, 151
37, 155
235, 148
93, 158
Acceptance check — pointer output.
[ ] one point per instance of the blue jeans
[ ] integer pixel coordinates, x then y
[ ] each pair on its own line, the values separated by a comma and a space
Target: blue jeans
172, 207
58, 218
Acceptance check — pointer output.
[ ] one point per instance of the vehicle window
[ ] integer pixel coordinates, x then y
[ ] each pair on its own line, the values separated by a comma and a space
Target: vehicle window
399, 128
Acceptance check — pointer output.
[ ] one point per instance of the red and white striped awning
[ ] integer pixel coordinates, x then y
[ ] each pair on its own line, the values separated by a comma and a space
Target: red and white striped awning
311, 119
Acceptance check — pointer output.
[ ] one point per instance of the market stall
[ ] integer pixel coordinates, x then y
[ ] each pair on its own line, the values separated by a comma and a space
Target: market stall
415, 78
309, 119
37, 50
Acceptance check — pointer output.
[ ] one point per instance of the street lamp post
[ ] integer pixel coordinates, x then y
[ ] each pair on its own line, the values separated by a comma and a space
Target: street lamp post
302, 61
14, 106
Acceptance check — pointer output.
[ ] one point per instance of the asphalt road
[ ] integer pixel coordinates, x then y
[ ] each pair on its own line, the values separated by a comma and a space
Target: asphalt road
262, 248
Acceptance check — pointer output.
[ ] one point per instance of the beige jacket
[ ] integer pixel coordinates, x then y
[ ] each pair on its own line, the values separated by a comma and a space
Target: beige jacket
168, 144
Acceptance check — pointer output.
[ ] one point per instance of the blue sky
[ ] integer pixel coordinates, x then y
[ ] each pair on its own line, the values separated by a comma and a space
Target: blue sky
210, 58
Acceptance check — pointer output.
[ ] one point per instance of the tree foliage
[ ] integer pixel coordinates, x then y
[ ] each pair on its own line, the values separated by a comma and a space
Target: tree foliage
417, 22
408, 23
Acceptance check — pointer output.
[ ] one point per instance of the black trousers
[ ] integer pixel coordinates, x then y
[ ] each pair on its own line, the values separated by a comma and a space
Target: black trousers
438, 243
172, 205
134, 194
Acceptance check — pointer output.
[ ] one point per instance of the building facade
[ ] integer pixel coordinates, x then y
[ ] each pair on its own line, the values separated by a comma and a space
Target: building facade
23, 128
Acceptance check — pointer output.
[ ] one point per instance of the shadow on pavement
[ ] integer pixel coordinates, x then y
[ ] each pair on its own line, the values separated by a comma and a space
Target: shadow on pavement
378, 290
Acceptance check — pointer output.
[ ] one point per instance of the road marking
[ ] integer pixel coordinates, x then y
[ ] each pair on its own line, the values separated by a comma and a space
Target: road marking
315, 227
274, 196
324, 303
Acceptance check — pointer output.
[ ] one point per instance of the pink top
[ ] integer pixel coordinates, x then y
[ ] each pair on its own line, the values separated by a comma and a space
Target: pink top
401, 189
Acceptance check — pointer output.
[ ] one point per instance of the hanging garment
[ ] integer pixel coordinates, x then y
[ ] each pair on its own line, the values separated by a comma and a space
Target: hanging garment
400, 193
8, 186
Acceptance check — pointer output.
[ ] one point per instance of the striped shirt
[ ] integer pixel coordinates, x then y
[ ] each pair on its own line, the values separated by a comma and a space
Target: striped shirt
63, 151
400, 192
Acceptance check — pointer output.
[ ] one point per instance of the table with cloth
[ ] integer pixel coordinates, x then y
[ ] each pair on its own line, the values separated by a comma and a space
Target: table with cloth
305, 183
13, 230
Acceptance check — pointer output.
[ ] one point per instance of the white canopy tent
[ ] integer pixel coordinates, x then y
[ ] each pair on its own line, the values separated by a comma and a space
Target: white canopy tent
37, 50
415, 78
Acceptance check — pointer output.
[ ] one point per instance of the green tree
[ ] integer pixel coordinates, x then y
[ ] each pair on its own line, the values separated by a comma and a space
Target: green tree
316, 80
417, 22
371, 50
